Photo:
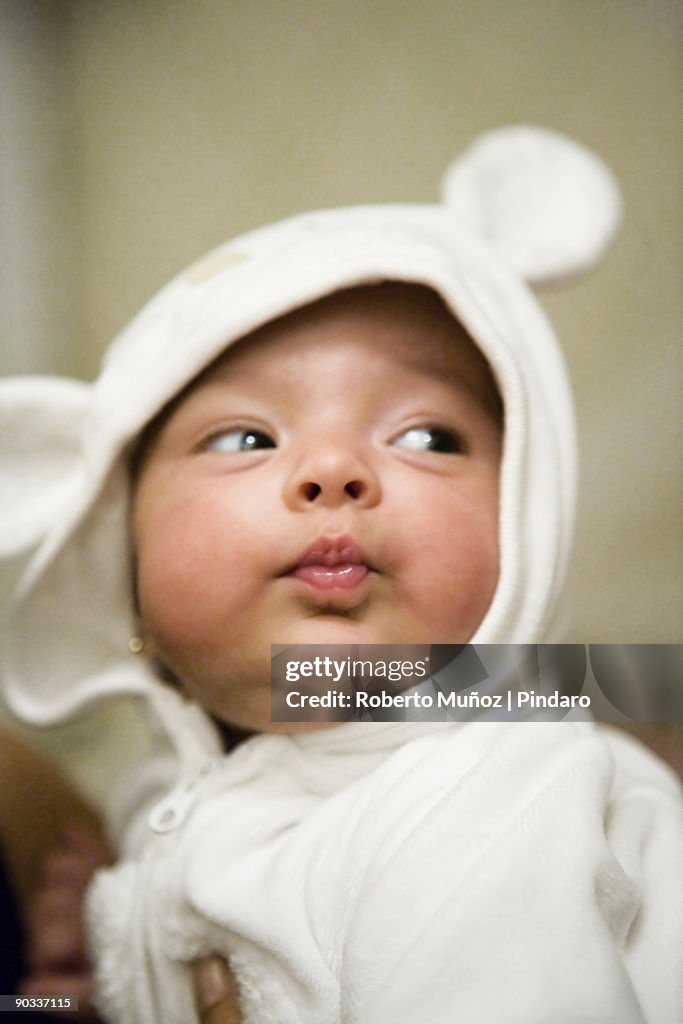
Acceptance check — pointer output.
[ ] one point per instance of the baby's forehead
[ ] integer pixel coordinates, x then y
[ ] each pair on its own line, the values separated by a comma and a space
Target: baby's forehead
406, 323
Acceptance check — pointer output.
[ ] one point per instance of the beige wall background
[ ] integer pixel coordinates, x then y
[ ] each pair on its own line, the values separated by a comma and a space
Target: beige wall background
139, 133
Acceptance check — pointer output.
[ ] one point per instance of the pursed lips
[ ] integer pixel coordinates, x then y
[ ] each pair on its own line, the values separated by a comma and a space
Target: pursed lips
330, 563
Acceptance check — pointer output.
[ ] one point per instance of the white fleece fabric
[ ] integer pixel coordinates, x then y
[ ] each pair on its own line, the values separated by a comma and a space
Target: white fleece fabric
401, 872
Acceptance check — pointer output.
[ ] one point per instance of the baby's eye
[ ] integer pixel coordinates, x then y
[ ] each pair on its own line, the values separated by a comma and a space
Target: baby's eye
430, 439
230, 441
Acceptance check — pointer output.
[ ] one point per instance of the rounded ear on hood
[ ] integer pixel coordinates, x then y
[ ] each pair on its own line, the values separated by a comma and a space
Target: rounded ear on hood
549, 206
41, 428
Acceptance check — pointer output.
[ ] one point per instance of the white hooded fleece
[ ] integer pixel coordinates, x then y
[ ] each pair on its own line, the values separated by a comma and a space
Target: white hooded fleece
497, 873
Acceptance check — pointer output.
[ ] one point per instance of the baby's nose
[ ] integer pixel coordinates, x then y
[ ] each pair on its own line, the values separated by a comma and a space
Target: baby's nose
310, 490
330, 476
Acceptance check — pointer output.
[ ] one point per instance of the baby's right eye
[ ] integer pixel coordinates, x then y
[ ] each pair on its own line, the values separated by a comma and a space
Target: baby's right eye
232, 441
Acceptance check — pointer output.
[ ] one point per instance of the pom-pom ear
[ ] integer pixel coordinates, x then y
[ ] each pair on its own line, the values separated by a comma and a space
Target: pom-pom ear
548, 205
41, 420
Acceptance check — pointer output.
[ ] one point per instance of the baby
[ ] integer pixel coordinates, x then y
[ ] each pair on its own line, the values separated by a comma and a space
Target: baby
351, 427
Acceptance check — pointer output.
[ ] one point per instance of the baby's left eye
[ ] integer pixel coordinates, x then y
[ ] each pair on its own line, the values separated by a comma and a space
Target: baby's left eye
430, 439
230, 441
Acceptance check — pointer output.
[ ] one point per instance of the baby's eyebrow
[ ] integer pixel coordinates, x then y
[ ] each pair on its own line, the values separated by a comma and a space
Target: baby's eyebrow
482, 389
444, 372
217, 379
441, 373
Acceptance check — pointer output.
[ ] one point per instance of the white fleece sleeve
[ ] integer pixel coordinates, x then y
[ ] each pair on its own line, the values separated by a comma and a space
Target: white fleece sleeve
129, 914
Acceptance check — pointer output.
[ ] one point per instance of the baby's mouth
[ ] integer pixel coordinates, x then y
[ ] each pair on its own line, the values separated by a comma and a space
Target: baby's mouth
331, 563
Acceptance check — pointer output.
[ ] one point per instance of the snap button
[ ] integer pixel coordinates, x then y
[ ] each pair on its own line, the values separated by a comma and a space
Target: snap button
163, 818
172, 811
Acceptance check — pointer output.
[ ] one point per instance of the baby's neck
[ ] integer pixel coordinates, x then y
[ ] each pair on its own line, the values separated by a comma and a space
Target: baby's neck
231, 735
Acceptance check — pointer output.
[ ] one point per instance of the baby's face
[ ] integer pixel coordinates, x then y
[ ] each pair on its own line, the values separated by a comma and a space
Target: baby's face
333, 478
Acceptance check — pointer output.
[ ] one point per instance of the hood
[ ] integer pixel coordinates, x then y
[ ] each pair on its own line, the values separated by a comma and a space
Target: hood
521, 205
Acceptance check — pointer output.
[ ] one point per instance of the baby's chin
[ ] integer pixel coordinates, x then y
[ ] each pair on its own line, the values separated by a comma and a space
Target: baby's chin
332, 629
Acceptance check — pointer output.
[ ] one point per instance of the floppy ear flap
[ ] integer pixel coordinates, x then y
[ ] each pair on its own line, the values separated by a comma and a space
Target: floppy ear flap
545, 203
41, 423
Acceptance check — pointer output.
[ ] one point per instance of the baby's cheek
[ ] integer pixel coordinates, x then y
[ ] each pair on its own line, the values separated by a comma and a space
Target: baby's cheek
181, 570
169, 599
457, 570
